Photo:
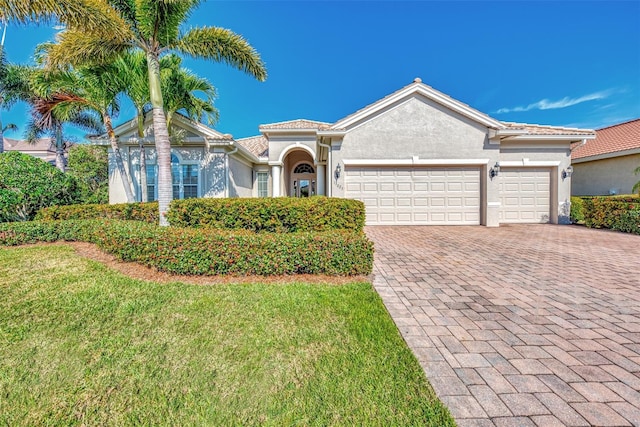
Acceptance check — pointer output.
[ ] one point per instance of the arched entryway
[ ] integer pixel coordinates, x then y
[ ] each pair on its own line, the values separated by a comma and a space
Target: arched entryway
300, 174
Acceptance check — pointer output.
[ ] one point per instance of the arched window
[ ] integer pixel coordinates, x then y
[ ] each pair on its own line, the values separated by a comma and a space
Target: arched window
304, 168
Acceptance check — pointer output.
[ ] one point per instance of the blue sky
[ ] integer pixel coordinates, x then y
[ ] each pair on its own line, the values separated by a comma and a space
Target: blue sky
574, 63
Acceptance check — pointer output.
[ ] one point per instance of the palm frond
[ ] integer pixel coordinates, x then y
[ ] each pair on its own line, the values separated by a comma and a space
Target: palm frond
95, 16
80, 48
160, 20
222, 45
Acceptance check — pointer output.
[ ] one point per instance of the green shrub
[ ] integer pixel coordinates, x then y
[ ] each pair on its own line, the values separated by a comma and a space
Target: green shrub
89, 165
147, 212
210, 252
28, 184
278, 215
577, 210
620, 213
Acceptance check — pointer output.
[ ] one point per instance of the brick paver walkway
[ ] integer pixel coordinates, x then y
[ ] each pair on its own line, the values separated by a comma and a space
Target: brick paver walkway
522, 325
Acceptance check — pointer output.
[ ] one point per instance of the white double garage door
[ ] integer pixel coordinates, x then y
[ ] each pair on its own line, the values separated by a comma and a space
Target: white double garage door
446, 195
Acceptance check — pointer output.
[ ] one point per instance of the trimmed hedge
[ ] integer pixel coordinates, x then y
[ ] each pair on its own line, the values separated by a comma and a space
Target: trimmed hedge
620, 213
192, 251
277, 215
147, 212
577, 210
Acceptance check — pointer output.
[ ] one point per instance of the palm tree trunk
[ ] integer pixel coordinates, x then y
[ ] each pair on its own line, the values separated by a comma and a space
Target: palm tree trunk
143, 159
126, 182
1, 137
161, 137
59, 149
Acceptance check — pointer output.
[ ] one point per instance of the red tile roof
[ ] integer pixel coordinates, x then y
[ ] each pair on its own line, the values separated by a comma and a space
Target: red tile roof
612, 139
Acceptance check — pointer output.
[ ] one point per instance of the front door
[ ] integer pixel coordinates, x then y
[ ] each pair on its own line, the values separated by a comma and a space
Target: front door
303, 181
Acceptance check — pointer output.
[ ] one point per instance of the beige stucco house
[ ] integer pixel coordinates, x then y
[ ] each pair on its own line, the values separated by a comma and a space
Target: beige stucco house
416, 156
605, 165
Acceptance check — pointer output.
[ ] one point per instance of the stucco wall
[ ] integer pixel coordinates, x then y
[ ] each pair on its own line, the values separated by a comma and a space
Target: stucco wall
555, 155
598, 177
240, 179
213, 174
116, 188
415, 127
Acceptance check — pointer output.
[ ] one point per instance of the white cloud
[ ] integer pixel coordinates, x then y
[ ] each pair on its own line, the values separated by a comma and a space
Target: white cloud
565, 102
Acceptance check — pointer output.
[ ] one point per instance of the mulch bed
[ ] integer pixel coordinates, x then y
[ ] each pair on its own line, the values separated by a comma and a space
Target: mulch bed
141, 272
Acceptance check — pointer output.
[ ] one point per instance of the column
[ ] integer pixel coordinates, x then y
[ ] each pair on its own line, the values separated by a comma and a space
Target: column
275, 180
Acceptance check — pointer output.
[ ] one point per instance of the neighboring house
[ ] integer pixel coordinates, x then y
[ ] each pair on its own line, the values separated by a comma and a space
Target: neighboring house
605, 165
43, 148
416, 156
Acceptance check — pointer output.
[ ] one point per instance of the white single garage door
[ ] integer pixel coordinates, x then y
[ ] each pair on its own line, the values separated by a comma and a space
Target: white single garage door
525, 195
416, 195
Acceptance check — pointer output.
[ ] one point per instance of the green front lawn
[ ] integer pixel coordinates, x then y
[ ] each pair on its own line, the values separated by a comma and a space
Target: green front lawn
82, 344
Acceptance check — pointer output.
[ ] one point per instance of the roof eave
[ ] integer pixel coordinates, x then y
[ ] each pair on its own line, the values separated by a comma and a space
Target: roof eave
560, 137
604, 156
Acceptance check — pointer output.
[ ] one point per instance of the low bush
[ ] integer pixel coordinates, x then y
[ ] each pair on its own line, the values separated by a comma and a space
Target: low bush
577, 210
620, 213
283, 214
212, 252
147, 212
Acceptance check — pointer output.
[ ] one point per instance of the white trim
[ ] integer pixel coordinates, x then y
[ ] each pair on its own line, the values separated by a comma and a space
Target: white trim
547, 138
429, 93
528, 163
297, 145
414, 161
604, 156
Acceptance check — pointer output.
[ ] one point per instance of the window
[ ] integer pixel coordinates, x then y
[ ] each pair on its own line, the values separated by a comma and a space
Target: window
151, 183
304, 168
262, 178
184, 178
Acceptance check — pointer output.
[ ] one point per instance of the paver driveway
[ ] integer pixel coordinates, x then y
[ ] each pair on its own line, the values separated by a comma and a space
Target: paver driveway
520, 325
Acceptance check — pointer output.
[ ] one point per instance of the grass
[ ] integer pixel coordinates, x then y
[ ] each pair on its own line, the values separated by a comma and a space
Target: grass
83, 345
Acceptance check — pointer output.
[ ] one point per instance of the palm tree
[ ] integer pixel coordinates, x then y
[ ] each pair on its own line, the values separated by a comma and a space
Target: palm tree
636, 186
180, 89
44, 122
132, 66
86, 92
150, 25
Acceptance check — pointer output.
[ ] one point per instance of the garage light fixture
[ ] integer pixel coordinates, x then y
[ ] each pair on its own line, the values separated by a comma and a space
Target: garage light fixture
338, 171
566, 173
494, 171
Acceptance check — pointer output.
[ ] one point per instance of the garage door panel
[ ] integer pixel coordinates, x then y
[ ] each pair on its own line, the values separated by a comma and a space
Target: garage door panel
416, 195
438, 186
525, 195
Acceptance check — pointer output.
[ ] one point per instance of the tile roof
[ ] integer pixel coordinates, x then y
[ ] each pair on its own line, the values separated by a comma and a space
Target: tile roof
548, 130
297, 124
612, 139
257, 145
42, 144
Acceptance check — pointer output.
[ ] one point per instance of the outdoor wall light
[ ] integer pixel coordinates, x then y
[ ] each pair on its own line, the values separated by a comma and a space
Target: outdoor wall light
338, 171
494, 171
566, 173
